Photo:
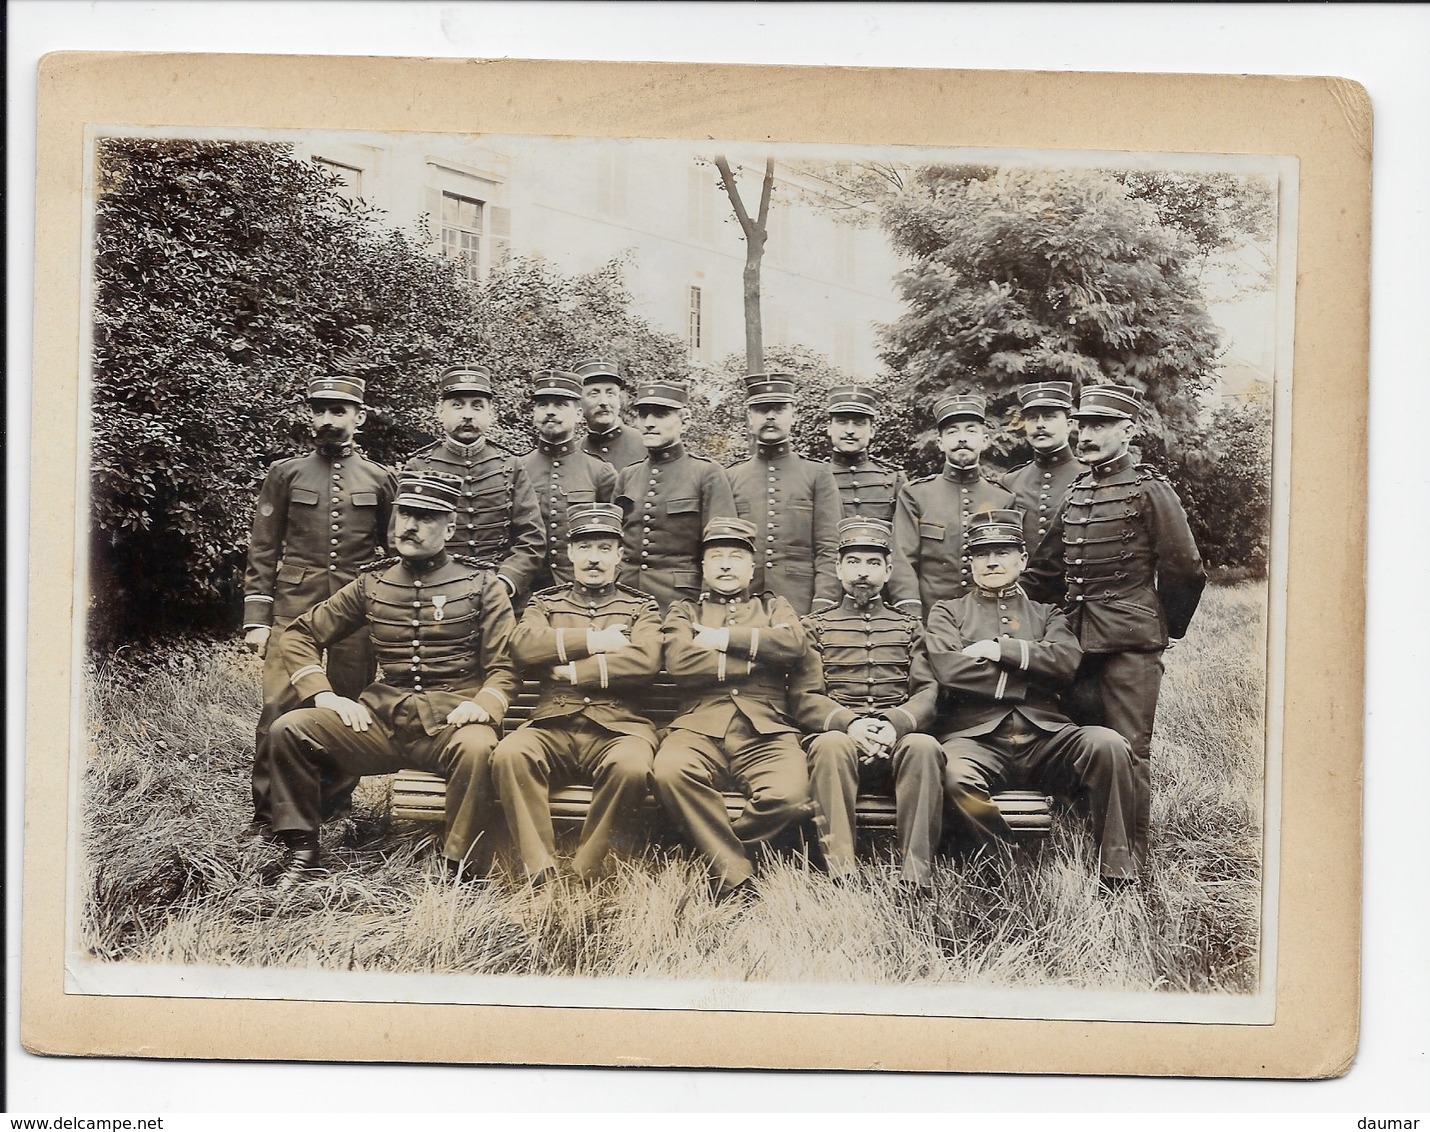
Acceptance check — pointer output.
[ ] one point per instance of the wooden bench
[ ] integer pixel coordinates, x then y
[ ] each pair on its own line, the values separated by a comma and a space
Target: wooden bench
419, 796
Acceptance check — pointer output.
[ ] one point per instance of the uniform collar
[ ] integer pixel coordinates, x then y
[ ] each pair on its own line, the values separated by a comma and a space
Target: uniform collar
1112, 467
610, 433
955, 474
1015, 590
565, 448
851, 605
1054, 459
773, 451
849, 460
588, 596
336, 451
667, 454
733, 599
463, 451
425, 566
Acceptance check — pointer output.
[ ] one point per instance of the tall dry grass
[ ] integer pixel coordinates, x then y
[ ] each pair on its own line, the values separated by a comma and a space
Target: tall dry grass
165, 880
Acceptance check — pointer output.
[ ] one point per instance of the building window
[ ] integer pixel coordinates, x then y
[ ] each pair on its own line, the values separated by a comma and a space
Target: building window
695, 338
462, 232
350, 175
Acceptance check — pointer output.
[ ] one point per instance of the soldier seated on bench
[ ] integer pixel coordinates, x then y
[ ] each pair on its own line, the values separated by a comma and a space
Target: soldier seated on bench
743, 663
1001, 660
596, 645
880, 693
441, 627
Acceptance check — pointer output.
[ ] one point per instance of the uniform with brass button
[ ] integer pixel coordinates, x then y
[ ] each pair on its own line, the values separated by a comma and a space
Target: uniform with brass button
1001, 661
586, 726
498, 518
1040, 485
563, 475
607, 437
793, 502
441, 626
875, 669
318, 518
1120, 557
867, 488
747, 677
668, 498
933, 514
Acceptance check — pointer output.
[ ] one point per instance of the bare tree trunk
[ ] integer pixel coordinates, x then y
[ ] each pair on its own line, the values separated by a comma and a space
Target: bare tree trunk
756, 233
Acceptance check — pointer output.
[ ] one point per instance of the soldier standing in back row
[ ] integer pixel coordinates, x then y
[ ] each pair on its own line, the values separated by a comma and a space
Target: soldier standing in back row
933, 513
793, 502
606, 437
867, 488
319, 517
563, 474
1120, 558
668, 498
1039, 486
498, 519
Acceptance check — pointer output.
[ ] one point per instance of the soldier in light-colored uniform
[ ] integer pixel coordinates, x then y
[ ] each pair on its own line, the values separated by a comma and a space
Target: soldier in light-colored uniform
879, 695
867, 488
743, 664
793, 502
1039, 486
933, 513
668, 498
562, 473
596, 647
498, 518
1120, 558
319, 517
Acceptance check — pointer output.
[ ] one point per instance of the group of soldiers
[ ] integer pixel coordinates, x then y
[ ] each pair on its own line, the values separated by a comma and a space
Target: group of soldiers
830, 627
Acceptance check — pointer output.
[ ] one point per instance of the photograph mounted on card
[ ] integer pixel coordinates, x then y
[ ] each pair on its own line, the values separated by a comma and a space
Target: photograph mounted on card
842, 595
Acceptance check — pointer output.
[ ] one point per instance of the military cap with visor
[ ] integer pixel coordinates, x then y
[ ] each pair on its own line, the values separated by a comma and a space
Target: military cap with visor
858, 533
769, 389
1046, 395
598, 369
1000, 527
1119, 402
428, 491
666, 393
464, 378
730, 532
555, 383
337, 387
589, 520
852, 399
962, 406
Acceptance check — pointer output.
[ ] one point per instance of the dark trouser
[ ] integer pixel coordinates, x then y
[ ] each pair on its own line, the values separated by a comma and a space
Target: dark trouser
312, 744
769, 770
350, 666
1119, 690
571, 749
915, 774
1094, 760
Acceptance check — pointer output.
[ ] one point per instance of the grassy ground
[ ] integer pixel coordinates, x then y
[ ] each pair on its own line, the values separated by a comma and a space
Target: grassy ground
165, 880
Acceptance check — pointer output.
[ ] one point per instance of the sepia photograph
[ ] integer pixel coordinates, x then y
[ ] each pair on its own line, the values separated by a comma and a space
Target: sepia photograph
830, 598
974, 450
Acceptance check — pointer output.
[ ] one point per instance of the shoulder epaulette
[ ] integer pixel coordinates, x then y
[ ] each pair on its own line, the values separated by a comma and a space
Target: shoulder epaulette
924, 479
551, 591
1155, 473
380, 564
636, 593
468, 560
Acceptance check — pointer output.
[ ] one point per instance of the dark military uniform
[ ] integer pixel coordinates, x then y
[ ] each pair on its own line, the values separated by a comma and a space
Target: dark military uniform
498, 519
620, 446
442, 630
794, 504
1003, 727
564, 476
745, 709
668, 498
874, 664
319, 518
581, 730
1120, 557
1038, 487
930, 524
867, 488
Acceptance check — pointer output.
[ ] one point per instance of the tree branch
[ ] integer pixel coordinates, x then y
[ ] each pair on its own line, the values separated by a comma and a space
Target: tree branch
765, 190
732, 190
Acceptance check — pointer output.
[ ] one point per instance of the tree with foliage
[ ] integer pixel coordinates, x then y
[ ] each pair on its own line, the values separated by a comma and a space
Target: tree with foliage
1020, 274
226, 276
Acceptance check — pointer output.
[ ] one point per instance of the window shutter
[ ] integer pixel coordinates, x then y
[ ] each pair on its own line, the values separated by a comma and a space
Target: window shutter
500, 234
